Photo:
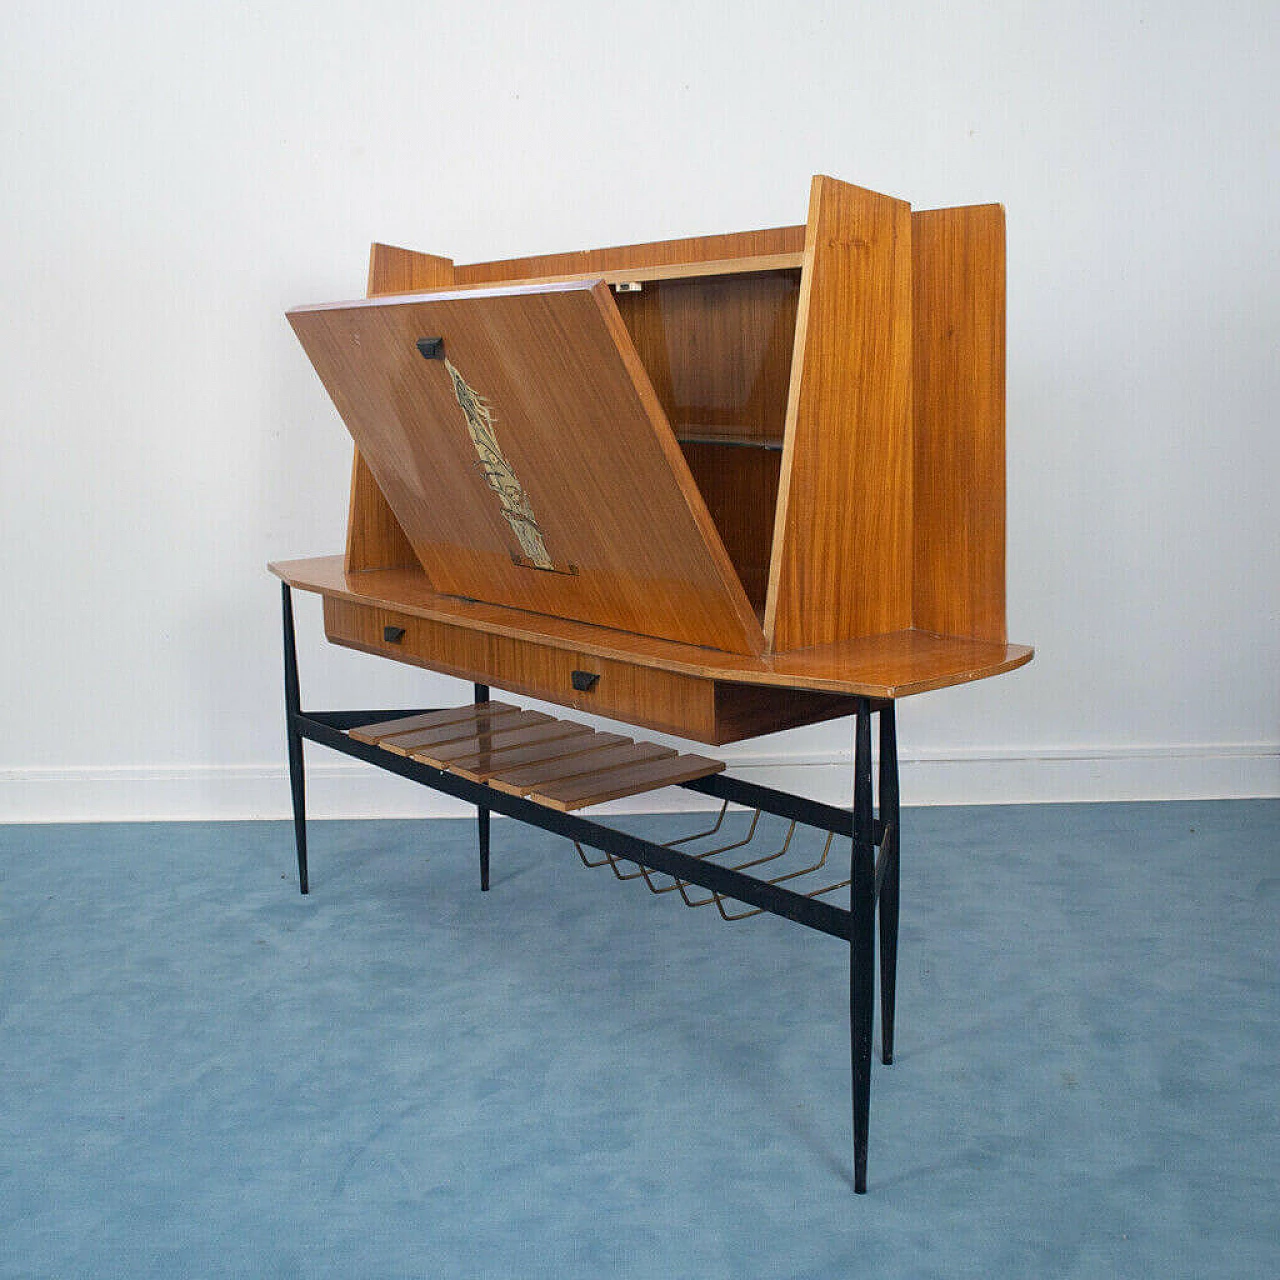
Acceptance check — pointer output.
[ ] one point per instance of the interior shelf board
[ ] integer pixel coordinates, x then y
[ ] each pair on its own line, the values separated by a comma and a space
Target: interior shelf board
772, 444
755, 265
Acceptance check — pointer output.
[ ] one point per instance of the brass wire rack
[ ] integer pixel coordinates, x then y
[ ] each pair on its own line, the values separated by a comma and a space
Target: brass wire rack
659, 883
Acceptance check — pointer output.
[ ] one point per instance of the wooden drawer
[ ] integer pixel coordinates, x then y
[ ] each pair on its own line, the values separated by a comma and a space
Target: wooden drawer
662, 700
701, 709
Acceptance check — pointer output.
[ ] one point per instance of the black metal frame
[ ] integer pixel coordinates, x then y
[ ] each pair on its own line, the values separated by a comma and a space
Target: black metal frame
873, 879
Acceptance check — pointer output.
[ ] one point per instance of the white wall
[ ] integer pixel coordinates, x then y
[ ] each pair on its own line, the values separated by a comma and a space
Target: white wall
176, 175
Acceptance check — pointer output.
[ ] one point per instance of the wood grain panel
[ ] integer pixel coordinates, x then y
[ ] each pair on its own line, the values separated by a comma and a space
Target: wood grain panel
483, 724
718, 350
562, 748
662, 700
443, 754
374, 733
500, 747
615, 784
892, 665
740, 487
842, 543
554, 364
958, 583
658, 253
521, 781
375, 539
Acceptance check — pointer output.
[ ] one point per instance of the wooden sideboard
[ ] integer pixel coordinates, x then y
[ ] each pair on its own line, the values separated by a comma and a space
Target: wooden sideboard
717, 488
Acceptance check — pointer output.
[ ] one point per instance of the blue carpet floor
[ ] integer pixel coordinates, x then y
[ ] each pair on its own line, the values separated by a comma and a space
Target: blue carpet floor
204, 1074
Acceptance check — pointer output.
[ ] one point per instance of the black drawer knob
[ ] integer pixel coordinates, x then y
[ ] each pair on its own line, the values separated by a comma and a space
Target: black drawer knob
584, 681
393, 635
431, 348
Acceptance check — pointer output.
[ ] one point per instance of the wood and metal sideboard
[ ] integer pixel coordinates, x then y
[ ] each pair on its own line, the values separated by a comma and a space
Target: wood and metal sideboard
713, 488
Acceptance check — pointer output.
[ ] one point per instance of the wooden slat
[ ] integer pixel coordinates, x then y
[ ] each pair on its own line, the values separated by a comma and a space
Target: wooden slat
614, 784
539, 753
442, 754
482, 746
372, 733
518, 781
406, 743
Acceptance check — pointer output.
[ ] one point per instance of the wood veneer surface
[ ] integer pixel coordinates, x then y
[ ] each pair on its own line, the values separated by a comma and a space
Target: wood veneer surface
375, 539
623, 525
657, 253
958, 581
891, 665
841, 563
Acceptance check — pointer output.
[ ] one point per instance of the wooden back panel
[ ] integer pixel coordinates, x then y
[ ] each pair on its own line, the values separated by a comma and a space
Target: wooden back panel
718, 350
659, 253
959, 541
375, 539
574, 500
842, 544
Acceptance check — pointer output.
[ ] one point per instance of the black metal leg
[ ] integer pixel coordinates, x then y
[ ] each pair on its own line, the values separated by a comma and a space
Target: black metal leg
482, 813
862, 943
292, 708
889, 817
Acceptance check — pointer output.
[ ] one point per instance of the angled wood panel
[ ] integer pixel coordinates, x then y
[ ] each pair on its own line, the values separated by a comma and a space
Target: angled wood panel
375, 539
958, 583
623, 538
841, 559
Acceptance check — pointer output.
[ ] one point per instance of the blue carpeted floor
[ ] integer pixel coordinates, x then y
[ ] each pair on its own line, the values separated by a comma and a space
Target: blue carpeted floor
204, 1074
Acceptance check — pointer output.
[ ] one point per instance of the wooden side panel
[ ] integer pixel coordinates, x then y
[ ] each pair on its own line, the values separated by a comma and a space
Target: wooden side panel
532, 466
393, 270
959, 325
375, 539
660, 253
842, 543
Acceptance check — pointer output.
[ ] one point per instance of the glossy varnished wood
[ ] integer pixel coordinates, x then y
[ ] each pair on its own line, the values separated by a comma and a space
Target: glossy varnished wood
958, 583
740, 488
690, 706
554, 762
554, 363
485, 766
718, 350
841, 556
375, 539
703, 270
616, 784
893, 665
486, 723
605, 756
630, 258
374, 733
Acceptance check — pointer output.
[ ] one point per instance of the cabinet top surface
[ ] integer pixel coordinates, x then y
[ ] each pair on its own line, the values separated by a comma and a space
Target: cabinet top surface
892, 665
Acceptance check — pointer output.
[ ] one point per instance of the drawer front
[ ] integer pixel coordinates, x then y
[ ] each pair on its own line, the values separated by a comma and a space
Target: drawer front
662, 700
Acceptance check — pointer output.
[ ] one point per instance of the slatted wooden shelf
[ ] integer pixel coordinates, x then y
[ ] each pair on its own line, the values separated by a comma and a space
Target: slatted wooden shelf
552, 762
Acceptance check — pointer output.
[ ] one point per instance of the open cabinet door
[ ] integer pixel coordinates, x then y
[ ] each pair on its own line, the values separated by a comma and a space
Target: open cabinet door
527, 459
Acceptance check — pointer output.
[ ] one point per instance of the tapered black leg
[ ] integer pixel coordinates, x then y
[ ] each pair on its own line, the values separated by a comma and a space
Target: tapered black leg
889, 884
482, 813
292, 707
862, 943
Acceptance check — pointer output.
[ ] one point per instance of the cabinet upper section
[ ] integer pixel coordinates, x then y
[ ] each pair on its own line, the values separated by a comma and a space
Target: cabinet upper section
757, 442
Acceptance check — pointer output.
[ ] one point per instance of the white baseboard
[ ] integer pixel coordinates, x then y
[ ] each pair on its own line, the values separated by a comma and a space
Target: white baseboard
340, 789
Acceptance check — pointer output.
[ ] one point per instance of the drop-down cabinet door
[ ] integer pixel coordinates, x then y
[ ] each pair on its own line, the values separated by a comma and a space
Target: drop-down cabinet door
519, 443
